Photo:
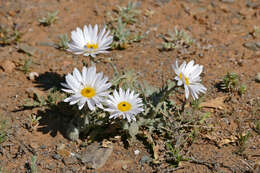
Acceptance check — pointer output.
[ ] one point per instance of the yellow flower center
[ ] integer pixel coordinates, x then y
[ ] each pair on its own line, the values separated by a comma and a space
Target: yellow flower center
186, 80
92, 46
124, 106
180, 75
88, 92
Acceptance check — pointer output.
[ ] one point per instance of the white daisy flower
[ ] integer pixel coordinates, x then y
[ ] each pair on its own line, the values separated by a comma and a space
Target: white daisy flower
89, 41
87, 87
189, 75
125, 104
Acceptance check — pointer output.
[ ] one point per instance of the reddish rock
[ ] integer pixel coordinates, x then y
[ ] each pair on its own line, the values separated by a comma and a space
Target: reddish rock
7, 66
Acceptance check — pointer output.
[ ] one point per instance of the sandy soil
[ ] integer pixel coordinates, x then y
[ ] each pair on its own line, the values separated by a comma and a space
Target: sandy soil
220, 30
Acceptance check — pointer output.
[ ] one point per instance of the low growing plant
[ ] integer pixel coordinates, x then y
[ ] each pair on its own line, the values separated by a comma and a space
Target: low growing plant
123, 37
230, 82
8, 36
34, 122
33, 164
120, 26
63, 42
3, 134
50, 19
177, 39
128, 13
27, 65
133, 108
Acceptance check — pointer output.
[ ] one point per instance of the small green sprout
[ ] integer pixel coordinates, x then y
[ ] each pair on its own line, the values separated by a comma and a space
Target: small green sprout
242, 142
8, 37
50, 19
53, 97
37, 102
176, 156
230, 82
33, 165
177, 39
119, 25
123, 37
34, 122
242, 89
63, 42
27, 65
128, 14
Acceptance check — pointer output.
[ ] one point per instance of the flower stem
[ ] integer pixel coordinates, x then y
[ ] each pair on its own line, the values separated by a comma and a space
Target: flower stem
165, 95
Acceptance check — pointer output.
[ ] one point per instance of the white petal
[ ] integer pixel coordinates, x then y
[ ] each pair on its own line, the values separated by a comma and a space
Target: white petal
182, 67
101, 34
82, 102
179, 83
189, 67
91, 34
77, 75
91, 104
93, 55
186, 91
72, 83
86, 35
95, 33
77, 37
68, 90
65, 85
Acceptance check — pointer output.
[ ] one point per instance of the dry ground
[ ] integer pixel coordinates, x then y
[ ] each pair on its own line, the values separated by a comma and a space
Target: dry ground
224, 32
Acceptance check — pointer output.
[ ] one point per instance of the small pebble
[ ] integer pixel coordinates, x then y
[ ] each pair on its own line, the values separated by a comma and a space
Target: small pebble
252, 46
137, 152
145, 159
56, 156
124, 167
257, 44
33, 75
42, 147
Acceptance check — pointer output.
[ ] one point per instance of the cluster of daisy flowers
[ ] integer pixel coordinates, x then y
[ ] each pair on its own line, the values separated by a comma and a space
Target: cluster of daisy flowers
92, 89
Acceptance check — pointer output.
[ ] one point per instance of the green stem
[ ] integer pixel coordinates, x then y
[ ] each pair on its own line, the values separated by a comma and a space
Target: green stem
166, 94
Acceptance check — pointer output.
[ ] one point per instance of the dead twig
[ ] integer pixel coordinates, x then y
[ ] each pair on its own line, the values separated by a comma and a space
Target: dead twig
210, 165
185, 126
174, 169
